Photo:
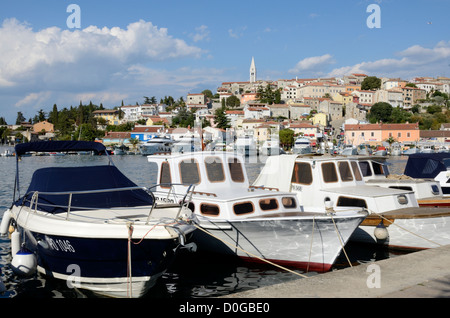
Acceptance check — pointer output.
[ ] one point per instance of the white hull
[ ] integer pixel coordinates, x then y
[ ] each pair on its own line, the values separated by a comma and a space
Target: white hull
305, 242
415, 234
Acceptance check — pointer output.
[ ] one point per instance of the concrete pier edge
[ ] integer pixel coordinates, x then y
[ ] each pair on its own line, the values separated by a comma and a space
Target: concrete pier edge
422, 274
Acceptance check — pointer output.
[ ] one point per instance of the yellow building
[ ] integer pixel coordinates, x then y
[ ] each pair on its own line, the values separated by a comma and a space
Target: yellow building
111, 116
43, 126
320, 119
343, 98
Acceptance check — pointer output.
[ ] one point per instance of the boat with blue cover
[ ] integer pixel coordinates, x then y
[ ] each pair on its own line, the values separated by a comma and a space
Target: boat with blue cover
430, 166
94, 227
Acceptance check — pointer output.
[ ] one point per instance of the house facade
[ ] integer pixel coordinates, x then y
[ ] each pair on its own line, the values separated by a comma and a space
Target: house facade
376, 134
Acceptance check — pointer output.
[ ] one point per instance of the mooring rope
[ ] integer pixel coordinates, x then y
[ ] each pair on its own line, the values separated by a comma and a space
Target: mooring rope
237, 247
339, 237
310, 247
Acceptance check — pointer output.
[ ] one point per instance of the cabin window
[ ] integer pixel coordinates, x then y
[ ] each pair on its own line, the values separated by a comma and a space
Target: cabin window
289, 202
401, 188
365, 168
237, 174
214, 169
344, 171
329, 172
345, 201
166, 178
302, 173
356, 171
209, 209
268, 204
189, 171
243, 208
378, 168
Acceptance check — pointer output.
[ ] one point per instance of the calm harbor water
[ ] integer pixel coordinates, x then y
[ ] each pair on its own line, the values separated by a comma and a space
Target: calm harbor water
191, 275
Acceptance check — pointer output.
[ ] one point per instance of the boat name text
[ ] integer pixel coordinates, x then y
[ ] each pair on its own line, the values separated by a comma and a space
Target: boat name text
60, 245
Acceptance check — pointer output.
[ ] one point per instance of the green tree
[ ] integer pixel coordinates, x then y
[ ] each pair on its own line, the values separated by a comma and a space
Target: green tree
371, 83
20, 118
380, 111
208, 93
233, 101
151, 100
221, 120
53, 115
269, 96
286, 138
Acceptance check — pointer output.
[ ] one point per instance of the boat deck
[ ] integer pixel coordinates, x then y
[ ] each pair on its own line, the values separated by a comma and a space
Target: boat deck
407, 213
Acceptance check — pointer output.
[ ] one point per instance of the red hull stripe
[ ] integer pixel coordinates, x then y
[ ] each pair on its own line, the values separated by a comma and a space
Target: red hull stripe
312, 267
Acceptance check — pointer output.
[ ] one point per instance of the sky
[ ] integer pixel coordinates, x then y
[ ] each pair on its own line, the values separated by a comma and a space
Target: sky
112, 51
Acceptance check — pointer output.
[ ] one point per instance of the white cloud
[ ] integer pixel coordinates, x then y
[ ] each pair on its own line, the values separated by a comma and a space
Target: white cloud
414, 61
33, 98
54, 56
41, 67
202, 33
237, 33
315, 64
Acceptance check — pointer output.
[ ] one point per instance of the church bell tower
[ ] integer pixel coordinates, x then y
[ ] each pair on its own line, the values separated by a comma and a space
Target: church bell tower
253, 71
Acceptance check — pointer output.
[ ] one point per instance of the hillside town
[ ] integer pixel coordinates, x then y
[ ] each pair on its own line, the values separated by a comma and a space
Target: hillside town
338, 110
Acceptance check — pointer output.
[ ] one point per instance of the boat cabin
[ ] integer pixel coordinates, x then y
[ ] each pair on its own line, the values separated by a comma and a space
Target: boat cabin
222, 189
334, 179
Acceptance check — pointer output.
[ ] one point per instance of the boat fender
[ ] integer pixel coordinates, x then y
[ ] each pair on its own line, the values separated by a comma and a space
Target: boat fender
15, 243
24, 263
6, 220
381, 232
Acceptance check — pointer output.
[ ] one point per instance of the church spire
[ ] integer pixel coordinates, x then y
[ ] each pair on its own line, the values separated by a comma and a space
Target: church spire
253, 71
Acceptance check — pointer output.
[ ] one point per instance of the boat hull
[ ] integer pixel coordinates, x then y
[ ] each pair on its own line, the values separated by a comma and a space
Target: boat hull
101, 265
416, 229
101, 256
308, 243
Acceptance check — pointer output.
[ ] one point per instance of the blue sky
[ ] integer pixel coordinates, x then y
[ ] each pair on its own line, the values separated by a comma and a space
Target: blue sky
125, 50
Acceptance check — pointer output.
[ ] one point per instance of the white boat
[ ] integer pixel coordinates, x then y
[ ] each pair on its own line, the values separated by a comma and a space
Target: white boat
380, 151
253, 223
428, 192
339, 181
426, 148
396, 150
158, 144
411, 151
120, 150
246, 146
92, 226
7, 153
302, 146
349, 150
271, 148
364, 150
187, 144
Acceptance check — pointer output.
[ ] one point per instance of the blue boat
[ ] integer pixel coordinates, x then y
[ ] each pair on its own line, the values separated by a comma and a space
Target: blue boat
92, 226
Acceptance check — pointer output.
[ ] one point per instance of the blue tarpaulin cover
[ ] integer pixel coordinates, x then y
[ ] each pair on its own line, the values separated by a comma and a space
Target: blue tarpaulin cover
62, 179
425, 165
59, 146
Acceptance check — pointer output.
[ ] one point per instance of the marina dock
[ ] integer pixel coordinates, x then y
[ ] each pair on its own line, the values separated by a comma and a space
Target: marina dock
422, 274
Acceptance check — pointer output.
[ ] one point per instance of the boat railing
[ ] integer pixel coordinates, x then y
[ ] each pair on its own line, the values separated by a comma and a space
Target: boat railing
187, 196
34, 201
